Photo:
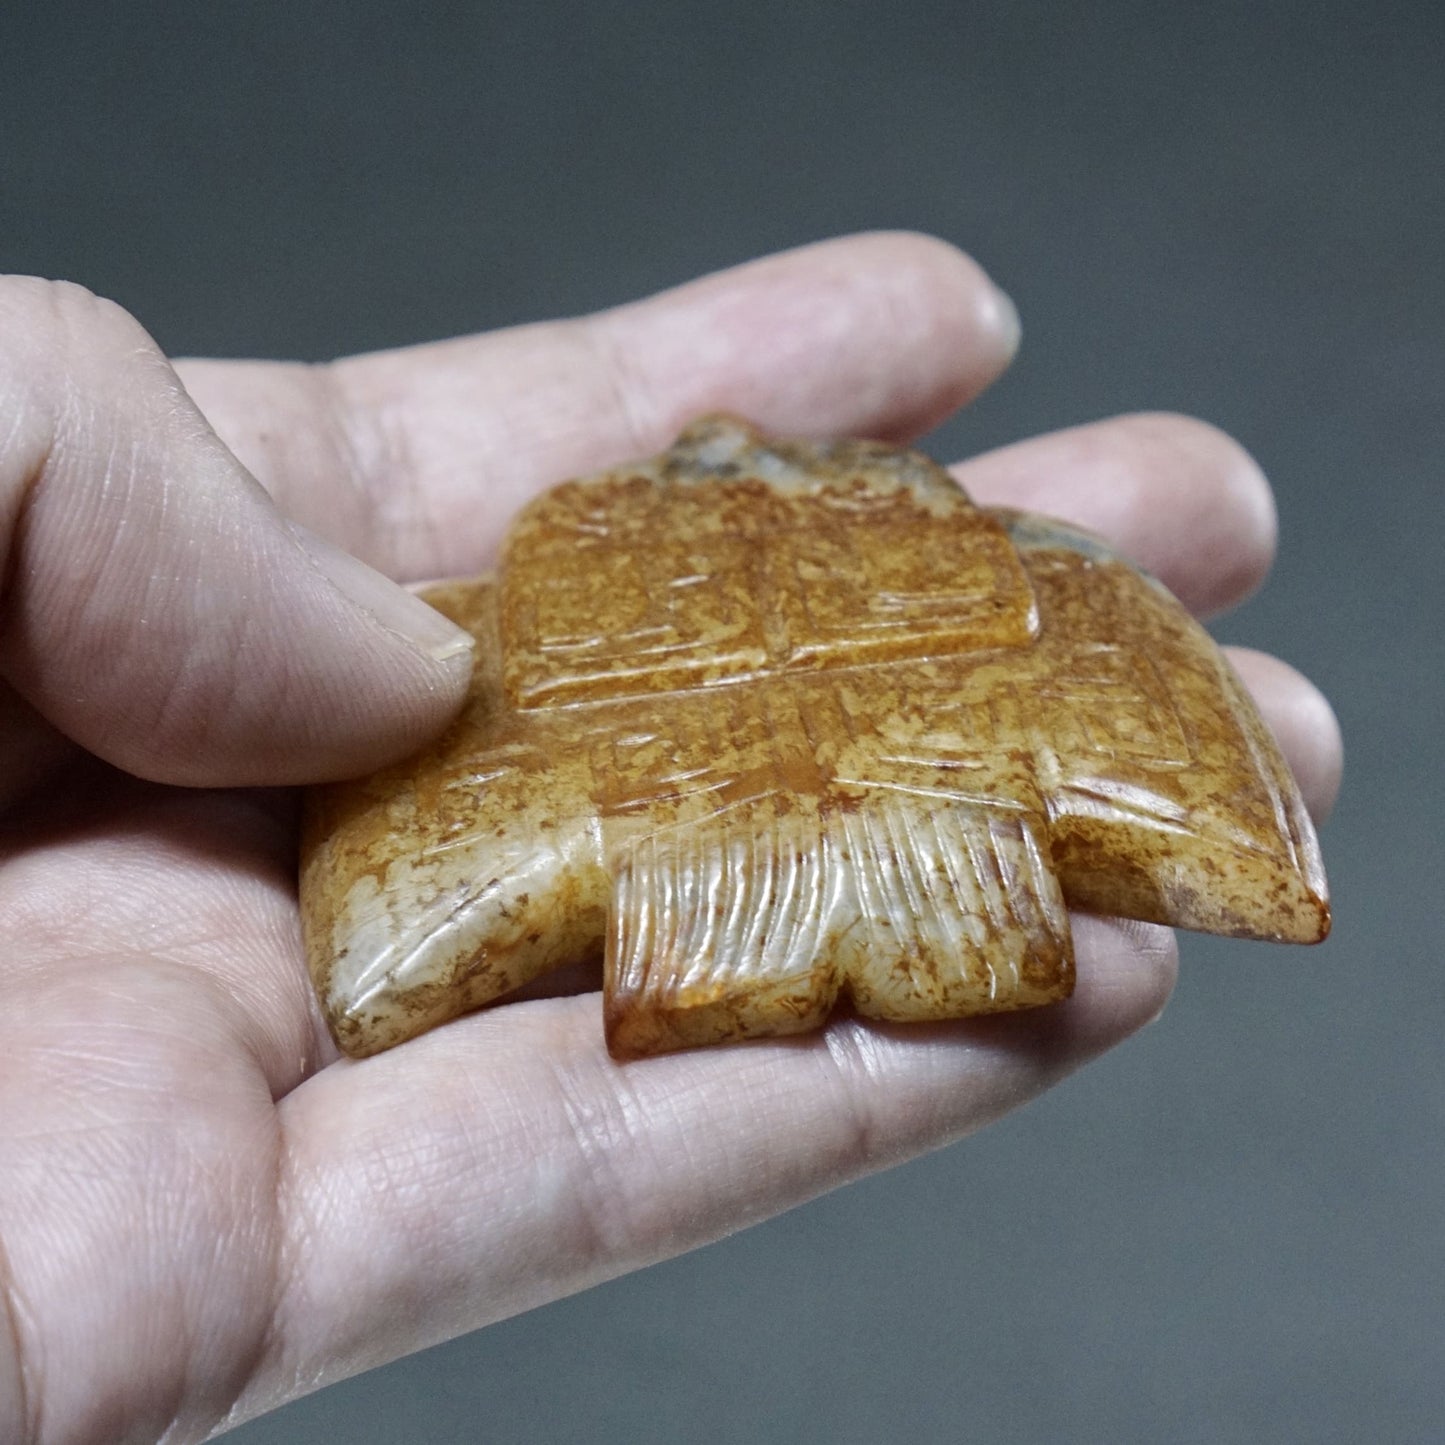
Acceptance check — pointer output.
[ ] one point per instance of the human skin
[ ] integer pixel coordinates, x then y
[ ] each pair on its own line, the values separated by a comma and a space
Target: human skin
204, 1211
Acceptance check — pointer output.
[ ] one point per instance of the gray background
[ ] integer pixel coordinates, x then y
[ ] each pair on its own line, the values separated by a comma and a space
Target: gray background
1232, 1228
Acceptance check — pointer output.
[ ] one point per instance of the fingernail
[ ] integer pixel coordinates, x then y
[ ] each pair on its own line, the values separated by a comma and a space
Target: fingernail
1006, 322
388, 604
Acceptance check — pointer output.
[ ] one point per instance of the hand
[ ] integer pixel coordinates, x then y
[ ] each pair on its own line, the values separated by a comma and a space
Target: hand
203, 1212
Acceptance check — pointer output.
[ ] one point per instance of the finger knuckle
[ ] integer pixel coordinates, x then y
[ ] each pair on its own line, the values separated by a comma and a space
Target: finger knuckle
49, 326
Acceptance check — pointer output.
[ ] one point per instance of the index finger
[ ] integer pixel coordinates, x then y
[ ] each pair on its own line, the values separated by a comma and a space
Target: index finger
416, 459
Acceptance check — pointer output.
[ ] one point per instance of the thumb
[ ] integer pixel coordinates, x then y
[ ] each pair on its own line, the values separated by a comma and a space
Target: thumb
155, 606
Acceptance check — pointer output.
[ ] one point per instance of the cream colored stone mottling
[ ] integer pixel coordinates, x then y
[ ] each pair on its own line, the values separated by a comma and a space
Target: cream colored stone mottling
766, 724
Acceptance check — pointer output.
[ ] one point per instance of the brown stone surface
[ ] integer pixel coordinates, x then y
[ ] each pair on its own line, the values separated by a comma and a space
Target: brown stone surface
763, 723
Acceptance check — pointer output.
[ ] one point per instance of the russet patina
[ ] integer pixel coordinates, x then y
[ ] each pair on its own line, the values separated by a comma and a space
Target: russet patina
764, 723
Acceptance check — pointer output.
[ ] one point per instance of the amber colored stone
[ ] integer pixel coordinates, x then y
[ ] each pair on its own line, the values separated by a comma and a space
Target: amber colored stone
764, 723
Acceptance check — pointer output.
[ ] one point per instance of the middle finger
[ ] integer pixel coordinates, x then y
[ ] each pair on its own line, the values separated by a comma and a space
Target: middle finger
1175, 495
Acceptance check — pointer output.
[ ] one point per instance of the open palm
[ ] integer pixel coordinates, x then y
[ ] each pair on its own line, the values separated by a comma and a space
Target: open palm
203, 1211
